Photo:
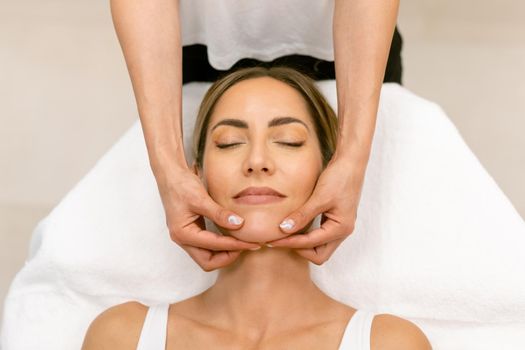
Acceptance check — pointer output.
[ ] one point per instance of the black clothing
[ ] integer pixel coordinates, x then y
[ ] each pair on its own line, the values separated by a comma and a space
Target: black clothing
196, 67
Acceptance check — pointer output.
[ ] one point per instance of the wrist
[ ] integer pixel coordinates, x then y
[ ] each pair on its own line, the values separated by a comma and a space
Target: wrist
354, 138
166, 161
353, 150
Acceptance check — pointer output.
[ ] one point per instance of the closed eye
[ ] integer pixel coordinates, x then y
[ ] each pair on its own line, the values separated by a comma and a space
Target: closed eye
292, 144
227, 145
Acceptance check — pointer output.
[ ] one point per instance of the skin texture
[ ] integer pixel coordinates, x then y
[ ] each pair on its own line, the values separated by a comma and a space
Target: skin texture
149, 34
266, 299
155, 69
362, 34
118, 328
260, 155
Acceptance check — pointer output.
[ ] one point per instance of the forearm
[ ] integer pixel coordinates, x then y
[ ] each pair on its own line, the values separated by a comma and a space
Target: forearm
149, 34
362, 31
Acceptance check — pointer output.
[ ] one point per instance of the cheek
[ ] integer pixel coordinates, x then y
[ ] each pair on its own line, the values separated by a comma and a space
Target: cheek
303, 177
218, 184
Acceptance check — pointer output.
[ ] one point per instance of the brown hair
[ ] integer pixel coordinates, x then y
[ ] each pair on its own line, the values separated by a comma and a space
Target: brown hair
322, 114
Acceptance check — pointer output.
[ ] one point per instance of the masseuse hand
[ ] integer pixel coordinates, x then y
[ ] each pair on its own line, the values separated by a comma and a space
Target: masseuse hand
336, 196
185, 202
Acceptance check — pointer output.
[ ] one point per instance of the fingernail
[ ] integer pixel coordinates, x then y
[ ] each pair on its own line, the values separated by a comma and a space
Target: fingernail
269, 245
235, 220
259, 247
287, 224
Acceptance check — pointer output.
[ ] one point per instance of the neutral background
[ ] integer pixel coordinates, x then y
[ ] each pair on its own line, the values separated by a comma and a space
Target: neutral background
65, 96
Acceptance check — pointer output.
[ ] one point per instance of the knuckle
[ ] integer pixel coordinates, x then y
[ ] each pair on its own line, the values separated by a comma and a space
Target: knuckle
187, 197
175, 236
317, 260
202, 266
322, 257
197, 202
178, 235
341, 234
300, 216
348, 228
207, 267
182, 240
220, 215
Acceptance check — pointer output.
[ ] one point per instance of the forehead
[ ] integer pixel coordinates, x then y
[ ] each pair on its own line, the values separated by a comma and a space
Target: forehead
259, 100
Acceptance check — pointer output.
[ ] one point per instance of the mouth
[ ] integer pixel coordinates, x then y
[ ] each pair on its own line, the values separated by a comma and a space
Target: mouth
258, 195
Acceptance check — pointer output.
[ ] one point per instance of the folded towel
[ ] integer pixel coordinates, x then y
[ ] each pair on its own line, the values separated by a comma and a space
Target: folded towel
436, 241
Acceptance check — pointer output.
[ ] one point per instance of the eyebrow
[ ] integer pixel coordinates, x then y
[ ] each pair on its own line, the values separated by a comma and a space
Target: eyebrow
274, 122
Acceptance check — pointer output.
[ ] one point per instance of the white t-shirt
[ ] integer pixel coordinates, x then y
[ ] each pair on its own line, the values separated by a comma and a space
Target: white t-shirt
264, 30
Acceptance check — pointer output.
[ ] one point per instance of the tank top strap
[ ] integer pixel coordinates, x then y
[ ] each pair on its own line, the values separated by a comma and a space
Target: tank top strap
153, 334
357, 332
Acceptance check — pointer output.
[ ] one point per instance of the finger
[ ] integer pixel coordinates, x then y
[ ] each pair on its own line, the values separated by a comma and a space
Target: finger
195, 236
328, 232
209, 261
320, 254
304, 215
219, 215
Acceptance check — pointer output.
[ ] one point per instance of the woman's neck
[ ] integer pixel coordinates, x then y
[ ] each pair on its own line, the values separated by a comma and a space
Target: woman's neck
265, 291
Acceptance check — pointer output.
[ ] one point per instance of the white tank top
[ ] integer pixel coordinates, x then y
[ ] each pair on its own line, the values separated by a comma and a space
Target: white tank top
264, 30
154, 330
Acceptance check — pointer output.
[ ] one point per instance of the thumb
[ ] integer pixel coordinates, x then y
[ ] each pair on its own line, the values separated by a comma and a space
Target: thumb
302, 216
219, 215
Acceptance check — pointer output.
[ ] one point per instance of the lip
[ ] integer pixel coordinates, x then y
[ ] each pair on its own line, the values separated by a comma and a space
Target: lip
258, 195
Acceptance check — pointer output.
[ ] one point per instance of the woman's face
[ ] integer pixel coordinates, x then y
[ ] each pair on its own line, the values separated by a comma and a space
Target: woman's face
261, 135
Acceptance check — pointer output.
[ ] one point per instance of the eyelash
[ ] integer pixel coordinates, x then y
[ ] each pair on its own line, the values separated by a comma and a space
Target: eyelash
290, 144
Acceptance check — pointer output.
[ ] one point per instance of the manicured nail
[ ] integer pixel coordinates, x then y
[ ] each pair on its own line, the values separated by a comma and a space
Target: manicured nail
259, 247
235, 220
287, 224
269, 245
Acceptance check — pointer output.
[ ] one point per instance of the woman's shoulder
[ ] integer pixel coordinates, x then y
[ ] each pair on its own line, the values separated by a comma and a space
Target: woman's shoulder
116, 328
393, 332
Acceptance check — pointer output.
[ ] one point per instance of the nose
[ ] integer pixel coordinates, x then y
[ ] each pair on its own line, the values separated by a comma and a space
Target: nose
258, 160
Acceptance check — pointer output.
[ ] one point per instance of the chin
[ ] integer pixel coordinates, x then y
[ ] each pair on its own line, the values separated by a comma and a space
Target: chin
259, 227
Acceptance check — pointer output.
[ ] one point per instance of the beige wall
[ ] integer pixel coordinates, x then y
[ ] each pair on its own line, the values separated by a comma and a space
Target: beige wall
65, 96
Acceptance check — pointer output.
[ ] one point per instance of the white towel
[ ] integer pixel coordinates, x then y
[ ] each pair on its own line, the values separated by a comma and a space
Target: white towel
436, 241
